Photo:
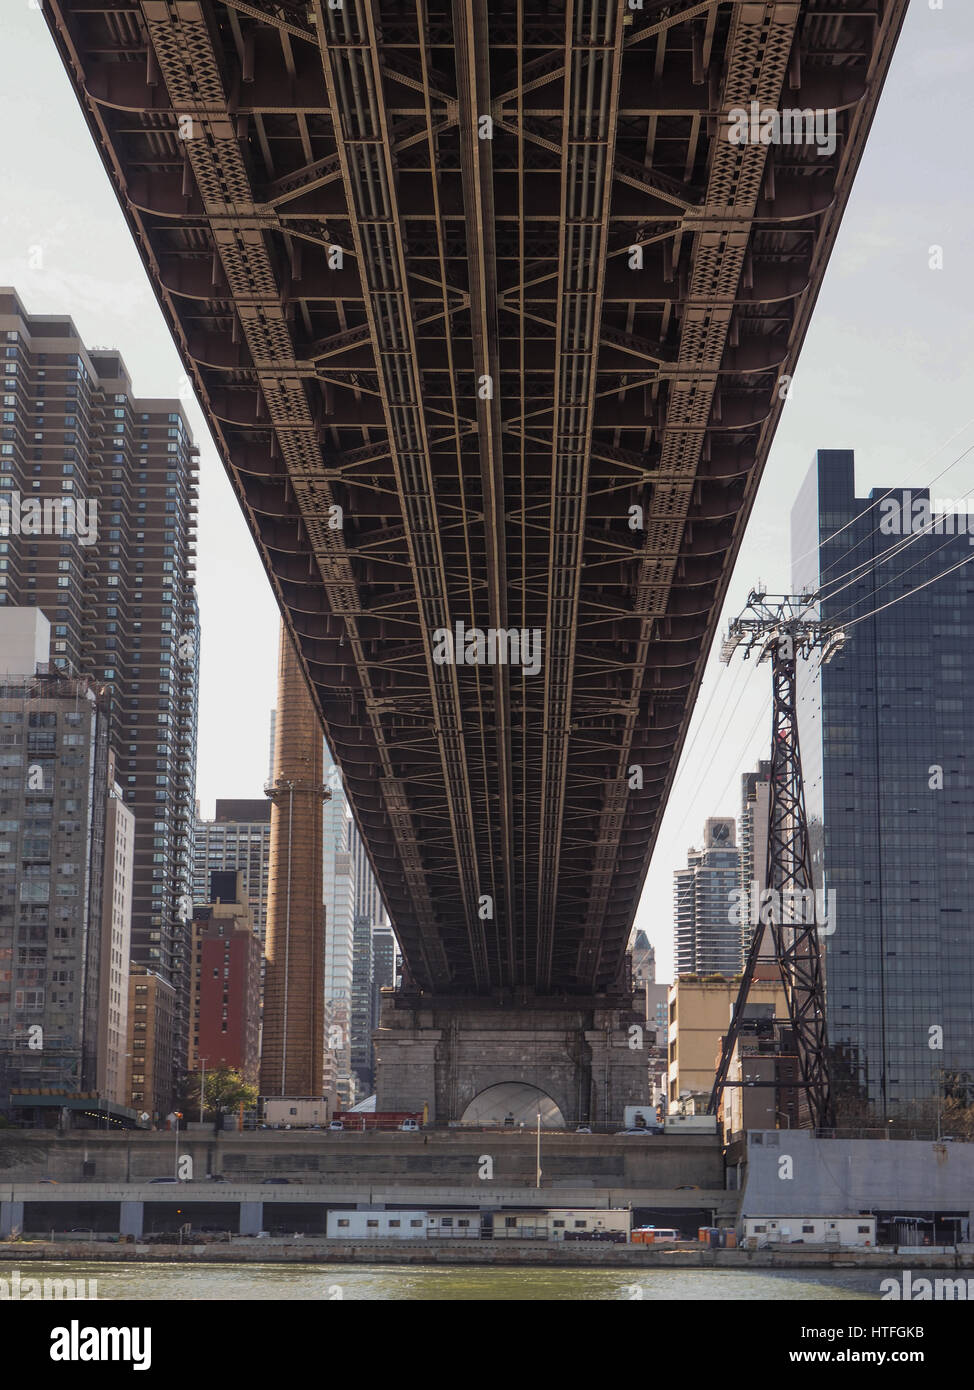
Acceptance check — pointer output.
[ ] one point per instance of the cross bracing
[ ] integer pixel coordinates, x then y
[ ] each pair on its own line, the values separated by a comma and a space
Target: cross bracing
490, 319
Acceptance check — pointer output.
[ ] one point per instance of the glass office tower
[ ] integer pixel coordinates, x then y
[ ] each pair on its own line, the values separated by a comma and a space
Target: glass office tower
883, 733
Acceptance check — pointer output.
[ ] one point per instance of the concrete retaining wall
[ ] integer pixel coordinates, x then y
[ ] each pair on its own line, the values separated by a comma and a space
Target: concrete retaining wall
456, 1252
791, 1173
446, 1157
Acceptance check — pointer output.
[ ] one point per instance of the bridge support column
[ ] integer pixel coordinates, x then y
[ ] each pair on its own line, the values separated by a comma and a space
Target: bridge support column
251, 1218
130, 1218
11, 1218
588, 1057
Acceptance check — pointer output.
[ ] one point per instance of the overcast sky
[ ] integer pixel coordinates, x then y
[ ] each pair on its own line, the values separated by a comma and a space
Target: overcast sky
886, 370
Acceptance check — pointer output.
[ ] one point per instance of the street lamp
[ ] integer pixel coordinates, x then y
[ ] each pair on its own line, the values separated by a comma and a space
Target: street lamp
177, 1115
202, 1087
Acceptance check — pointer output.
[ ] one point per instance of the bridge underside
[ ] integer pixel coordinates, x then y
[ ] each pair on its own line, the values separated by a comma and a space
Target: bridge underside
490, 318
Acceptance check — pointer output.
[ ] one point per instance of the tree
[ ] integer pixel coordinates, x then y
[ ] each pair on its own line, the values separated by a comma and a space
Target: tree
227, 1090
224, 1089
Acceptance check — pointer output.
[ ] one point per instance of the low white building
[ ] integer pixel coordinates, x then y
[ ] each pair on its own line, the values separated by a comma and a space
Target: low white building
456, 1225
690, 1124
562, 1224
300, 1112
376, 1225
840, 1231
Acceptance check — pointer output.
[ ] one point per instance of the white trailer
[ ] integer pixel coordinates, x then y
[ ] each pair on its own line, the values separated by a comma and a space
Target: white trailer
376, 1225
453, 1225
589, 1224
300, 1112
691, 1124
841, 1232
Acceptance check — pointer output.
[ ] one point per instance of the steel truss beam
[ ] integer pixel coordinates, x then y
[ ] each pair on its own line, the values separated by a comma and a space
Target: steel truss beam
345, 264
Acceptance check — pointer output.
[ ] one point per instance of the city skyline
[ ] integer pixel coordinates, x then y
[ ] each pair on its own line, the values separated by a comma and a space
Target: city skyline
550, 423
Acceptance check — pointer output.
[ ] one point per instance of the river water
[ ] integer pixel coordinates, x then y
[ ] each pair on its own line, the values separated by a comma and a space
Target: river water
424, 1283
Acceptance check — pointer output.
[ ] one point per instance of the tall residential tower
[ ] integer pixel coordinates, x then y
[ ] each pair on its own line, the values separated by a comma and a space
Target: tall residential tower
707, 940
98, 530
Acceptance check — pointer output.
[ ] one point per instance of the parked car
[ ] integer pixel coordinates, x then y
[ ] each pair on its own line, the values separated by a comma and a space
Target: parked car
274, 1182
216, 1177
582, 1129
165, 1179
336, 1124
410, 1126
647, 1129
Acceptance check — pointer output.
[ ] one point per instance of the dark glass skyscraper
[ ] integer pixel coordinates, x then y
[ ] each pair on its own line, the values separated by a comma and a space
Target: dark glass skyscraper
884, 728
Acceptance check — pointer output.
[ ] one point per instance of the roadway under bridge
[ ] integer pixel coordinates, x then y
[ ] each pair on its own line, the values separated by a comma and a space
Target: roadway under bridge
289, 1181
492, 309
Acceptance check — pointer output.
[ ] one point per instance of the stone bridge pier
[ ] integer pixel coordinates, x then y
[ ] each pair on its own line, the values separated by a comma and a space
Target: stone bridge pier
588, 1057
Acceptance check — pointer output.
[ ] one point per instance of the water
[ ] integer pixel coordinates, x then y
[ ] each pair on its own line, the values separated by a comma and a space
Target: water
428, 1283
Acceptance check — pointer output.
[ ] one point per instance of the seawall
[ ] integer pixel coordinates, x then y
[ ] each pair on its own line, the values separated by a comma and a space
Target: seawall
460, 1252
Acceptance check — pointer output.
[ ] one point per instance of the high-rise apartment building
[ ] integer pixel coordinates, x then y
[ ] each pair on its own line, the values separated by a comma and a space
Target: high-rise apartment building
97, 529
226, 980
339, 883
238, 837
368, 899
755, 805
57, 942
708, 941
272, 733
885, 727
384, 958
151, 1045
386, 971
353, 907
360, 1014
66, 856
370, 918
339, 891
113, 999
339, 953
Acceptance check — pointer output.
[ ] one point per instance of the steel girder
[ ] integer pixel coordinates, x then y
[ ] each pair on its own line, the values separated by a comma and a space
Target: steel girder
345, 263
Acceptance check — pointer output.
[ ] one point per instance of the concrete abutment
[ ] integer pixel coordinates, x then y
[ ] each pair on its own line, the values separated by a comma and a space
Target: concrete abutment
587, 1058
